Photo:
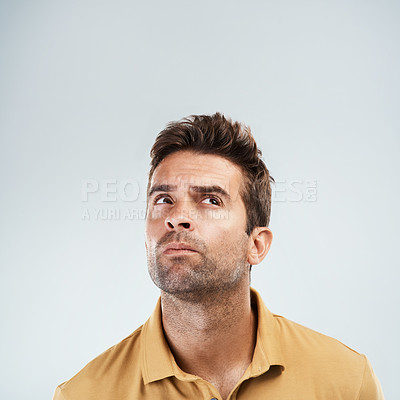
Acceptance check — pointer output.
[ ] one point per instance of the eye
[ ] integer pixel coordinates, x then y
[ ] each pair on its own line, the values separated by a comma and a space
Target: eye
213, 200
162, 200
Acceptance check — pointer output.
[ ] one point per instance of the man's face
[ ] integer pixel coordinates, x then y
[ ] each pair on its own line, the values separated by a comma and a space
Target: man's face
196, 237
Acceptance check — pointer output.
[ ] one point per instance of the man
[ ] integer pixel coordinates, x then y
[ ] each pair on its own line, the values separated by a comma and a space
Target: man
211, 336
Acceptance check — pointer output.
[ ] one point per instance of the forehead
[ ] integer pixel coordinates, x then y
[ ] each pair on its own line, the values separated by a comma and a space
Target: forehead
187, 167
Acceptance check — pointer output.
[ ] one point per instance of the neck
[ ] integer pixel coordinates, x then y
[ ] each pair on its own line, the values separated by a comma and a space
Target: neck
202, 333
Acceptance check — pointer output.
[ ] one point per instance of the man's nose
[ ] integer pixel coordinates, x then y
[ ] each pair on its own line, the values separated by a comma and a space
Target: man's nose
180, 218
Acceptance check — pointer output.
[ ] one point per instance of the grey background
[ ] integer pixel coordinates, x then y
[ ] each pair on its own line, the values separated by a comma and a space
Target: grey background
84, 88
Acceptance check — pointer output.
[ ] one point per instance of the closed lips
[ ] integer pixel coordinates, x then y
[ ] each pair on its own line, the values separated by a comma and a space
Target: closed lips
176, 247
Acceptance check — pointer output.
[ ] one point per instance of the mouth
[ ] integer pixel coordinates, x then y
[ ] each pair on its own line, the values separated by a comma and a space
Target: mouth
179, 248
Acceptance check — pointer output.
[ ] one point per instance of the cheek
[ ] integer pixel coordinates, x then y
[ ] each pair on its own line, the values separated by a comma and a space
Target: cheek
233, 223
150, 232
231, 245
154, 230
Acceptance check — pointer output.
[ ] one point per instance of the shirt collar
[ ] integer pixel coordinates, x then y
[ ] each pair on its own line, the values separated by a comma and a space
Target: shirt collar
268, 351
157, 359
159, 363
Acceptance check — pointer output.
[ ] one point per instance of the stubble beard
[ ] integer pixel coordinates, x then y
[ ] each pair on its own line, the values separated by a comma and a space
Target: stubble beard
192, 277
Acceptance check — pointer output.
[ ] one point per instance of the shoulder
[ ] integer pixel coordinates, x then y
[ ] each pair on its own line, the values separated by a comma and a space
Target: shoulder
114, 364
321, 358
311, 345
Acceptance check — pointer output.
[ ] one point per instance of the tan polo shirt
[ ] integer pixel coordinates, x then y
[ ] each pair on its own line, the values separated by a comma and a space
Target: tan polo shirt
290, 362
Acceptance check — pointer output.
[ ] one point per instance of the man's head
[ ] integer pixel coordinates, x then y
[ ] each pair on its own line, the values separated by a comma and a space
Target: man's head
215, 134
202, 234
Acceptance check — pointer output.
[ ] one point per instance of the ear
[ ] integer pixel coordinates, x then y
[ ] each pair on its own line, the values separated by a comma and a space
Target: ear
260, 242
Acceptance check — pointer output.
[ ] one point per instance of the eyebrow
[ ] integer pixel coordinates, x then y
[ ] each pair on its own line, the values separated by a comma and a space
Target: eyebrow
198, 189
161, 188
211, 189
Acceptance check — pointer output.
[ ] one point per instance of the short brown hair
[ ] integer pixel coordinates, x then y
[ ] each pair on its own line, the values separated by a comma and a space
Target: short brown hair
218, 135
